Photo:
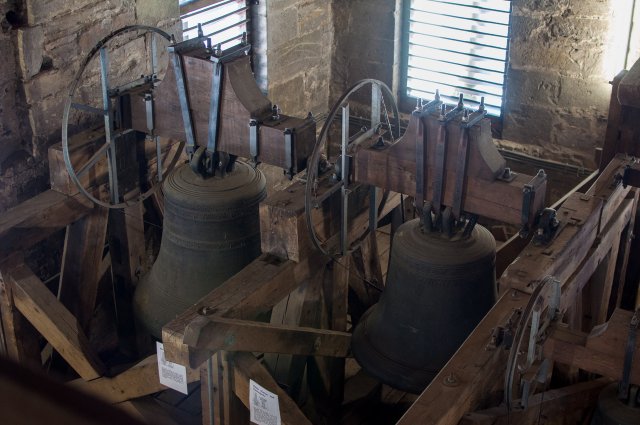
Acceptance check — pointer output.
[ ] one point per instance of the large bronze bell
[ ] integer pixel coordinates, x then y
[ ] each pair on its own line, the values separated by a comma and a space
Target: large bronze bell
611, 410
437, 291
211, 231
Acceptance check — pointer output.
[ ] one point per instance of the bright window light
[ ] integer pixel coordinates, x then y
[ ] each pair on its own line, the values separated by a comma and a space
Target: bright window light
224, 22
458, 46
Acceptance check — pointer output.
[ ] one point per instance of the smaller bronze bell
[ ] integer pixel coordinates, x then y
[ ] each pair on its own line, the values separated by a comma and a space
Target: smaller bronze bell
437, 291
211, 231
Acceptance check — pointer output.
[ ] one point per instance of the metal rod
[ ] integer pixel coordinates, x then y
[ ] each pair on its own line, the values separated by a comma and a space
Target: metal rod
210, 388
89, 109
154, 56
108, 127
345, 181
96, 156
159, 155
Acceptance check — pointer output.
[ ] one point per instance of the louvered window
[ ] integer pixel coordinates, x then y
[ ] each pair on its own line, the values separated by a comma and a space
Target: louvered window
457, 46
224, 21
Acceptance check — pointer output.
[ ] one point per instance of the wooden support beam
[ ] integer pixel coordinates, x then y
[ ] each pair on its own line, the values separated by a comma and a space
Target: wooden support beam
608, 188
55, 323
225, 409
147, 410
629, 88
251, 292
19, 337
612, 135
548, 406
139, 380
248, 368
81, 265
39, 217
601, 352
215, 333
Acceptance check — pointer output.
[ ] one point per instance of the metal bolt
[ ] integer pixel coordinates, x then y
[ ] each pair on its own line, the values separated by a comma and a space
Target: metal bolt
317, 344
443, 112
465, 116
207, 311
334, 176
380, 141
230, 338
506, 173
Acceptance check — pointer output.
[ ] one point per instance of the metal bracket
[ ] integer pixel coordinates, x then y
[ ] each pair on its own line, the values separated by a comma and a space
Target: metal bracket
253, 140
289, 150
421, 160
527, 193
507, 175
549, 226
148, 98
623, 386
184, 105
214, 112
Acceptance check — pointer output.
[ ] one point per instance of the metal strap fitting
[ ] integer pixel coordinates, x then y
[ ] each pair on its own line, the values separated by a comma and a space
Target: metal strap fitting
184, 105
421, 160
289, 151
214, 116
253, 139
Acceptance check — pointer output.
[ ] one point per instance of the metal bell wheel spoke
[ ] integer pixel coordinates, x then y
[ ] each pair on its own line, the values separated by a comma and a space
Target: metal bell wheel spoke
111, 119
340, 179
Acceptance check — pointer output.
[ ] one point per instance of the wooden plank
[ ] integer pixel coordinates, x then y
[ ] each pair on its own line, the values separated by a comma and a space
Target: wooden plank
81, 265
593, 360
629, 88
224, 402
548, 406
139, 380
622, 262
612, 134
609, 189
38, 218
560, 259
55, 323
147, 410
607, 239
251, 292
216, 333
248, 368
20, 338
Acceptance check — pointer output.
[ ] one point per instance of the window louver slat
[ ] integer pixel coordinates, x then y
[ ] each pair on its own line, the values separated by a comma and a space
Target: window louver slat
224, 22
458, 46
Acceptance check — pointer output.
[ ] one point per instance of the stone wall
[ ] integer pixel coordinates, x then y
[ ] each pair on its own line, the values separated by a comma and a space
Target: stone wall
562, 56
299, 37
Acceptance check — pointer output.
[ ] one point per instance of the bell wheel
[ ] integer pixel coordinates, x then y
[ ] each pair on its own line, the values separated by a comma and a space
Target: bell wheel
382, 105
111, 113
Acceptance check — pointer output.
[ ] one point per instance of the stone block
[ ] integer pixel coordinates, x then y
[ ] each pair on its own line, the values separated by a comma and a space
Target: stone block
314, 15
366, 47
298, 55
581, 93
150, 12
532, 87
591, 8
527, 124
373, 19
547, 6
39, 12
316, 91
30, 42
282, 27
275, 6
524, 27
289, 96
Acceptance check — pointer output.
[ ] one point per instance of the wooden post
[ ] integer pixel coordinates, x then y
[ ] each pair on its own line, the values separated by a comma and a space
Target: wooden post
224, 400
81, 264
20, 337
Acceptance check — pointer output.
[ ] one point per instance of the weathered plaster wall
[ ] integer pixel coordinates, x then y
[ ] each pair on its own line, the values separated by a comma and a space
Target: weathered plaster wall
562, 56
298, 47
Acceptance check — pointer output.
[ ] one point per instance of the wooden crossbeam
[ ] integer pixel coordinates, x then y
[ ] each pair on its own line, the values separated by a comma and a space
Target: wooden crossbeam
550, 405
38, 218
216, 333
55, 323
139, 380
602, 352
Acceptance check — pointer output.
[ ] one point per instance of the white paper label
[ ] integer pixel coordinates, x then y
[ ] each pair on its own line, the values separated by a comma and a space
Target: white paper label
172, 375
265, 409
